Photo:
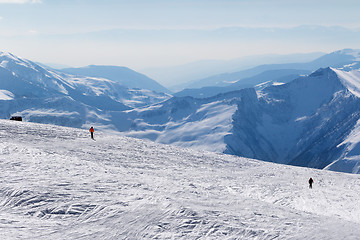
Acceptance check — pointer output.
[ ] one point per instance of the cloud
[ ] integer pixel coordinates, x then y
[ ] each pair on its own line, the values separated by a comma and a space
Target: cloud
20, 1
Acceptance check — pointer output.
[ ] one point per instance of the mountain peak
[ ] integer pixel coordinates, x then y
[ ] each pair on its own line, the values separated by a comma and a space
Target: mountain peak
6, 57
348, 51
321, 72
10, 56
6, 54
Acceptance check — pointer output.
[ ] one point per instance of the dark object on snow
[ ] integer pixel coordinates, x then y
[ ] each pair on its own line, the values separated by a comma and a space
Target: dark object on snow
310, 182
91, 130
16, 118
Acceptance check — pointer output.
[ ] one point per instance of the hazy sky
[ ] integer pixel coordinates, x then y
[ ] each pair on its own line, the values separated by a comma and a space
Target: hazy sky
146, 33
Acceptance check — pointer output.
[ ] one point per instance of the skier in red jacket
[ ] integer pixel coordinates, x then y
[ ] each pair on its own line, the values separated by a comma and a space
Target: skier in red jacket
91, 130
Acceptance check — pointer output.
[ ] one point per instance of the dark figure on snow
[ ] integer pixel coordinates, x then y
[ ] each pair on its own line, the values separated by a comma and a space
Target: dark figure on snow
91, 130
311, 181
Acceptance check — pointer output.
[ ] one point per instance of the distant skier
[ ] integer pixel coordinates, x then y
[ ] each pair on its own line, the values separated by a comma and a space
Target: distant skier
91, 130
311, 181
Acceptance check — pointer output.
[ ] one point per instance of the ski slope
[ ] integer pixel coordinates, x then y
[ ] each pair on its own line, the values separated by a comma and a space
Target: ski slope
57, 183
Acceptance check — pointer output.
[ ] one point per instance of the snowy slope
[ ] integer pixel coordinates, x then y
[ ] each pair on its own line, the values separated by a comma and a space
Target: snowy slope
57, 183
6, 95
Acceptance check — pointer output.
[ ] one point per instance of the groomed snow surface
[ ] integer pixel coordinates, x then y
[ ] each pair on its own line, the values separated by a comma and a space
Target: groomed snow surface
57, 183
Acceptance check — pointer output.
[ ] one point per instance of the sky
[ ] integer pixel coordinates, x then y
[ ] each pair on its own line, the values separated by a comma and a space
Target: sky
155, 33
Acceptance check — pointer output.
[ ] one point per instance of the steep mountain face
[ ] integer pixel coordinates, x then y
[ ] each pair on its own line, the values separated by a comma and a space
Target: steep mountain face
311, 121
48, 96
300, 123
186, 121
122, 75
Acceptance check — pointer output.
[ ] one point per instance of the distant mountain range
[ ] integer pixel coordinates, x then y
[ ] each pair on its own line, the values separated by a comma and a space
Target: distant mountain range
179, 77
122, 75
265, 73
261, 80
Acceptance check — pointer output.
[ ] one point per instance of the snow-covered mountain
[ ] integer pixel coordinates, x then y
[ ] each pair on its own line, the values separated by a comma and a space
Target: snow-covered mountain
186, 121
57, 183
49, 96
301, 123
122, 75
311, 121
335, 59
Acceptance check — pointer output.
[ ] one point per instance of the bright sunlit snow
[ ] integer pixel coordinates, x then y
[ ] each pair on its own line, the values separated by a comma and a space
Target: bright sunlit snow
57, 183
351, 80
6, 95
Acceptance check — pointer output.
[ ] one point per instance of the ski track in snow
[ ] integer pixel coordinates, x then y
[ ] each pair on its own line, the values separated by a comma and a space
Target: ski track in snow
56, 183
